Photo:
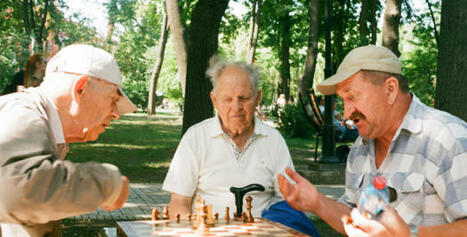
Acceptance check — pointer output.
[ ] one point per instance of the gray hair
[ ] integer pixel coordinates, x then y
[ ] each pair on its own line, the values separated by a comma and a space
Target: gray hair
217, 66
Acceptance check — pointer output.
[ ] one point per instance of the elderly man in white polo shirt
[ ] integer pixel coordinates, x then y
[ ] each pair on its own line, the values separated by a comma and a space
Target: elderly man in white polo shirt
231, 149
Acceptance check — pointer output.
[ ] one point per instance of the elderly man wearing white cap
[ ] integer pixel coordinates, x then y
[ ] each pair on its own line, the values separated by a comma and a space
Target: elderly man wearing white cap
80, 95
422, 153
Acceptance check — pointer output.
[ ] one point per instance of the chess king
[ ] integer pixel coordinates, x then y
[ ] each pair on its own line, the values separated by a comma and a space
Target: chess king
231, 149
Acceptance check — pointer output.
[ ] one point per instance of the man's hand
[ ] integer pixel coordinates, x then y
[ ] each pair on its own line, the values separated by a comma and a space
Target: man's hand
124, 192
302, 195
389, 224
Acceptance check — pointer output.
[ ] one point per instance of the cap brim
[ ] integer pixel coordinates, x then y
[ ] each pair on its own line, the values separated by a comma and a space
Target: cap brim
329, 86
124, 104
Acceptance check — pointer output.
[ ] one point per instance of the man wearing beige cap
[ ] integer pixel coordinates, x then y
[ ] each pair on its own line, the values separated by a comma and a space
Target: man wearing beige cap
422, 153
79, 97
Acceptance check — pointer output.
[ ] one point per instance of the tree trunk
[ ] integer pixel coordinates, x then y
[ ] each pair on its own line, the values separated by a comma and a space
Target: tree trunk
42, 26
203, 41
373, 22
306, 82
451, 85
363, 23
177, 29
392, 16
338, 21
254, 29
284, 53
434, 22
27, 25
157, 67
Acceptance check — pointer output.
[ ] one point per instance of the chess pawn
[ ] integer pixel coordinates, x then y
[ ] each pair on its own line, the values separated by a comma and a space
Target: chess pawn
209, 219
249, 216
155, 214
178, 218
188, 216
227, 215
165, 213
216, 216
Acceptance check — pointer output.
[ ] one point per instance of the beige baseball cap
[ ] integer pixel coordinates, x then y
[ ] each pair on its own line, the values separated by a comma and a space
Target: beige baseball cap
374, 58
91, 61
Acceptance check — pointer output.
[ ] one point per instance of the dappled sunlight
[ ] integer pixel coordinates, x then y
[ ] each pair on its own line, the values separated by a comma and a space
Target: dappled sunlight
157, 165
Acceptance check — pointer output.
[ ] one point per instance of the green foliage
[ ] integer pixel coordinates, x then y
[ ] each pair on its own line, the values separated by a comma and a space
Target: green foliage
293, 122
420, 62
141, 34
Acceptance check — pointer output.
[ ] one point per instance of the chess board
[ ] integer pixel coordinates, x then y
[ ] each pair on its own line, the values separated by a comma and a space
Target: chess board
261, 227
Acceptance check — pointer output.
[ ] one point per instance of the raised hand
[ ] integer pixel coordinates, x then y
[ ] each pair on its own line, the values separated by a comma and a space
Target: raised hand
302, 195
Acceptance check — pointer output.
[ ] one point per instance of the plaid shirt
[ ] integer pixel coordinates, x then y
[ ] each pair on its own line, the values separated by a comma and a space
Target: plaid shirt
426, 165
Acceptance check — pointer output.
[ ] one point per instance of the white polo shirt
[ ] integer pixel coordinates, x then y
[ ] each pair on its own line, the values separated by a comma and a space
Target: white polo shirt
205, 164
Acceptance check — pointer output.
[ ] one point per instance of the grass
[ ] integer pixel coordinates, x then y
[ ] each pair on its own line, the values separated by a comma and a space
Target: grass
142, 147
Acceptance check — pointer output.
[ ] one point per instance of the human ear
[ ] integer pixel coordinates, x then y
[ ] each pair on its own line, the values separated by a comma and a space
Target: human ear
392, 89
213, 98
79, 88
259, 94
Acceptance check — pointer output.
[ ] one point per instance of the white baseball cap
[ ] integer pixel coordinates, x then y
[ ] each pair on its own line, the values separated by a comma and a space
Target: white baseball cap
371, 57
91, 61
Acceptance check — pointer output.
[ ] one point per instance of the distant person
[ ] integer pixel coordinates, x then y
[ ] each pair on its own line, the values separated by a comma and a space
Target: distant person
34, 70
79, 97
281, 101
345, 129
421, 151
232, 149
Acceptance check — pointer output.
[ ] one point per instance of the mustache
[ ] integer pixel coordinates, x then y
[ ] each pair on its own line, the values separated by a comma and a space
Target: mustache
357, 115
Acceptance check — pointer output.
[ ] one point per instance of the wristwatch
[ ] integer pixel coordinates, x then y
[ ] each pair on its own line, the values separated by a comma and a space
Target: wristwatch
413, 231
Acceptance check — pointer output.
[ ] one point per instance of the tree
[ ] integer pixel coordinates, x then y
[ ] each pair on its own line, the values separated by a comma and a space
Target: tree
157, 67
284, 53
178, 37
306, 82
203, 40
392, 16
255, 20
451, 85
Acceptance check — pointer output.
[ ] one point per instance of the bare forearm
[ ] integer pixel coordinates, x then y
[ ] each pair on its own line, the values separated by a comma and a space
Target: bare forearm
457, 228
331, 212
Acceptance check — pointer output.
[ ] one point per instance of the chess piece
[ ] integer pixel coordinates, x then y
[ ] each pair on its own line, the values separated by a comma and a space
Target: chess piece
155, 214
227, 215
249, 216
209, 219
216, 216
178, 218
203, 228
165, 213
188, 216
239, 193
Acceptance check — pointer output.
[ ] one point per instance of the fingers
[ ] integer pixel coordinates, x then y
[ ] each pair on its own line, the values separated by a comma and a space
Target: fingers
285, 187
293, 175
351, 229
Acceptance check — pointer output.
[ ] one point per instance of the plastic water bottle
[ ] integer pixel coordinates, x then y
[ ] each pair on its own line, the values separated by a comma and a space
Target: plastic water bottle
374, 198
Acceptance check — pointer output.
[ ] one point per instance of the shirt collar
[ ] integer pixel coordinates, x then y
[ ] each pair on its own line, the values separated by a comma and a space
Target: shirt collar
216, 129
53, 118
413, 119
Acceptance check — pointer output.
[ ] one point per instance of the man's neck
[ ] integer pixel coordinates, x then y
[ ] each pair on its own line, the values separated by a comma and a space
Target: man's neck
241, 138
382, 143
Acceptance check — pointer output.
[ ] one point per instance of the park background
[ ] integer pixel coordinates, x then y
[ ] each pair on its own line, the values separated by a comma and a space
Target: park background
163, 48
